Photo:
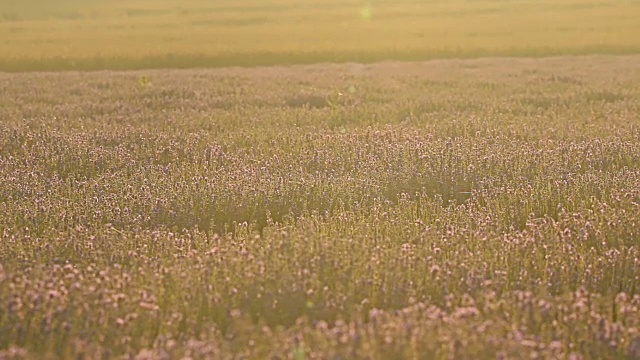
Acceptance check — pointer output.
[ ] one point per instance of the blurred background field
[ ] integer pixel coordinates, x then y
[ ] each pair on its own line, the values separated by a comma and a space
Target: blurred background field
93, 34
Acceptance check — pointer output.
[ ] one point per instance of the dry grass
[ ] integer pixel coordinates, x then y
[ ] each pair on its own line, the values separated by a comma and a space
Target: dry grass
119, 34
449, 209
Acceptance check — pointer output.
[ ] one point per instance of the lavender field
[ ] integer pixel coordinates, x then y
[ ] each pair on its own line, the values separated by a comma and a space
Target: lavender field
451, 209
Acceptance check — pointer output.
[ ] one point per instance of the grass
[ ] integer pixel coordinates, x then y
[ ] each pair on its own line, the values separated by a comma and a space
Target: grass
95, 35
447, 209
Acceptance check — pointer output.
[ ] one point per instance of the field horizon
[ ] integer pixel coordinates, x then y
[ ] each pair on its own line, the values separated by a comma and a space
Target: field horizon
120, 35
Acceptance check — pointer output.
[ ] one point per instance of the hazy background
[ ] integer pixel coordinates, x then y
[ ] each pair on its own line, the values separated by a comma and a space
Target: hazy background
95, 34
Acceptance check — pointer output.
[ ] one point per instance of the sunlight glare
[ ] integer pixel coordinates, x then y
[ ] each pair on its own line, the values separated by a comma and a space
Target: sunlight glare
366, 12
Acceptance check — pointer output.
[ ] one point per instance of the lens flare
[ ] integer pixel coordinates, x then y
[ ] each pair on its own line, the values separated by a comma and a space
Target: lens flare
366, 12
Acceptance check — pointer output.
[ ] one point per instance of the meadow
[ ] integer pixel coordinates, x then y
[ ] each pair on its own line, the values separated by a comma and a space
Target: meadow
463, 209
143, 34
